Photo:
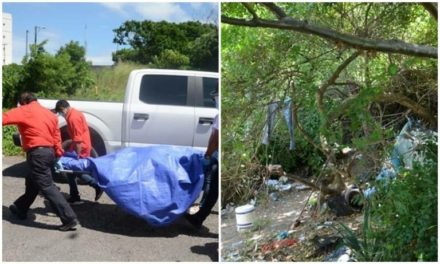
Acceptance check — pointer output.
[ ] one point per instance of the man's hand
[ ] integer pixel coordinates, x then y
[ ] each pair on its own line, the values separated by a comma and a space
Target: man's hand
58, 166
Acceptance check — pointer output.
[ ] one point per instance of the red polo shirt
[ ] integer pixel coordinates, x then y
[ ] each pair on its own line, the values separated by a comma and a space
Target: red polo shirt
79, 132
37, 126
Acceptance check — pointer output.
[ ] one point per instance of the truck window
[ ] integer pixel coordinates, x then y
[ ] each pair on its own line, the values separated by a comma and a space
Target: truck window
209, 85
164, 90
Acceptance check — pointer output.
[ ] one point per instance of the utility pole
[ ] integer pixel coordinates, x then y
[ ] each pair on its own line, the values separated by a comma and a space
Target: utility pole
4, 54
27, 33
85, 39
37, 28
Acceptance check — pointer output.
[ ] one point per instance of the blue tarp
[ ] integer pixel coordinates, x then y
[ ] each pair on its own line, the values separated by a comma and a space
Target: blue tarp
156, 183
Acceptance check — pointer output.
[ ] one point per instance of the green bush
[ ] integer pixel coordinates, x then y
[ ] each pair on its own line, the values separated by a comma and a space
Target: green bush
404, 214
8, 147
400, 221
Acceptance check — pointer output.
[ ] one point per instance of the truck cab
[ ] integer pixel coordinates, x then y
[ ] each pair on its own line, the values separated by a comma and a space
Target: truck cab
169, 107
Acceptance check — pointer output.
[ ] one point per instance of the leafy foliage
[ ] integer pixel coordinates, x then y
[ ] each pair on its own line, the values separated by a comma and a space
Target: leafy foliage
8, 147
168, 45
48, 75
261, 65
404, 214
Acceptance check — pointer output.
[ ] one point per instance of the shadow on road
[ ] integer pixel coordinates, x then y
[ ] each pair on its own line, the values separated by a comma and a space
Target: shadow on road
19, 170
210, 250
109, 218
30, 221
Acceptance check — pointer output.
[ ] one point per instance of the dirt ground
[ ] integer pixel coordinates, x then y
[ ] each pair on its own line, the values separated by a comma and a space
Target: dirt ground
106, 234
272, 239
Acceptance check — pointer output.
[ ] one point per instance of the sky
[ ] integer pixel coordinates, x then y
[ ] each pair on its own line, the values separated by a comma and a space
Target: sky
93, 23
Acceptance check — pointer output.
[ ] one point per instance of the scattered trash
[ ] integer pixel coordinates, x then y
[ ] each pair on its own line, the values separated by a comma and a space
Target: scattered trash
277, 245
282, 235
339, 206
278, 185
283, 179
302, 237
328, 223
273, 196
342, 254
409, 139
346, 150
224, 212
237, 245
313, 201
325, 243
353, 197
244, 217
234, 256
302, 187
285, 187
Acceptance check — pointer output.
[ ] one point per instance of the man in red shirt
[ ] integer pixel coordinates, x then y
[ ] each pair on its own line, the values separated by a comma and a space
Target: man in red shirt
41, 141
79, 133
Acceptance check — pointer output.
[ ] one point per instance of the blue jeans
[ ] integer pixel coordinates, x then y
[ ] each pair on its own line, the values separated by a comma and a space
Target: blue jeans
85, 177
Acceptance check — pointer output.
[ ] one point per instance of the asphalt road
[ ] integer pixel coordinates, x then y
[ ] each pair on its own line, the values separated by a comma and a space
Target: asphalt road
106, 234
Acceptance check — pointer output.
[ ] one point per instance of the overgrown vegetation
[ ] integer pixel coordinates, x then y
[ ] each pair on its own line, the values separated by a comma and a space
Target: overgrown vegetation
188, 45
400, 221
345, 95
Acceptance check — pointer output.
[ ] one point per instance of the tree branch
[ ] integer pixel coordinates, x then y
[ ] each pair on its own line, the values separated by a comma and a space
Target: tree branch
363, 43
432, 9
251, 10
279, 13
410, 104
321, 91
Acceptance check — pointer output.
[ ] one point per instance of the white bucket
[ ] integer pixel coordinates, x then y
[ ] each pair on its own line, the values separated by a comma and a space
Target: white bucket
244, 216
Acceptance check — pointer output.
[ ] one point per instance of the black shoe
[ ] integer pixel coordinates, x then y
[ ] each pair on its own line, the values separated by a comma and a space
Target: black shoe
75, 200
69, 226
194, 221
15, 211
98, 193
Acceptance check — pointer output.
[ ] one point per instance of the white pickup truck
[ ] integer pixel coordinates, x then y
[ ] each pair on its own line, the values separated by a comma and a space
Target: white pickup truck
171, 107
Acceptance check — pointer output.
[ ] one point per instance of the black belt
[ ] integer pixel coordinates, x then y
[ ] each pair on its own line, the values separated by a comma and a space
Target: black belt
40, 147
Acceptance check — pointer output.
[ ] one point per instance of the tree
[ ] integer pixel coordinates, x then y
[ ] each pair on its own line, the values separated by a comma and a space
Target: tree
12, 77
57, 75
344, 93
286, 22
150, 40
77, 56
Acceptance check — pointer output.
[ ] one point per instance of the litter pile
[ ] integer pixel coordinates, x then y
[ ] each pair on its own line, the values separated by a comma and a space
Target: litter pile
315, 235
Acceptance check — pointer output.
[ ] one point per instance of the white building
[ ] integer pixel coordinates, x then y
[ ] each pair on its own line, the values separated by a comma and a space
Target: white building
6, 43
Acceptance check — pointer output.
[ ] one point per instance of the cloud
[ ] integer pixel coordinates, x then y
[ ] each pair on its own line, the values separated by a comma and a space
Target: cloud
162, 11
117, 8
105, 59
172, 12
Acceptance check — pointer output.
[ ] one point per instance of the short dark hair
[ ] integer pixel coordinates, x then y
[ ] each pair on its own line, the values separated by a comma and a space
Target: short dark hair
27, 98
61, 104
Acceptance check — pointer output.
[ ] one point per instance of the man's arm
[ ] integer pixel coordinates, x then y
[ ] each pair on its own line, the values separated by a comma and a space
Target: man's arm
57, 141
75, 124
12, 117
212, 143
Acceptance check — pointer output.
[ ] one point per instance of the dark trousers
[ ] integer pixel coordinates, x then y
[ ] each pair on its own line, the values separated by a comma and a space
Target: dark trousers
40, 161
210, 195
73, 185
